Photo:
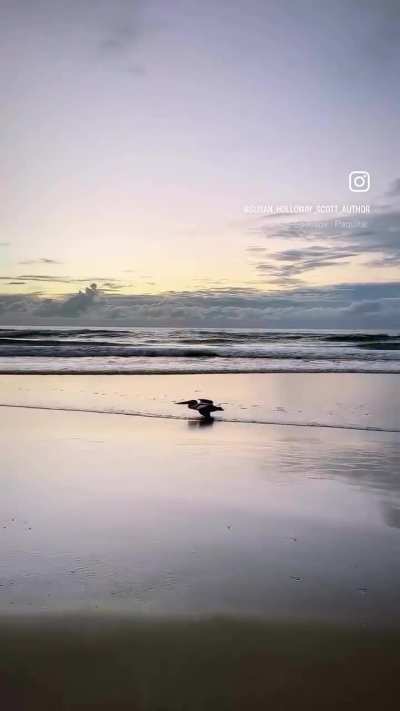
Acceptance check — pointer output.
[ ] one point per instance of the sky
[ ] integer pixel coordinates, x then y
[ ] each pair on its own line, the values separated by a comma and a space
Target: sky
187, 162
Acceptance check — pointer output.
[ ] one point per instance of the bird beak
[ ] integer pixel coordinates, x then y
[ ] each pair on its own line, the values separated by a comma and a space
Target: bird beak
183, 402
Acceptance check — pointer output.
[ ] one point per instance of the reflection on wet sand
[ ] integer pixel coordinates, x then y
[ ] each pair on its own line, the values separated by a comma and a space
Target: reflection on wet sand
149, 517
201, 423
194, 566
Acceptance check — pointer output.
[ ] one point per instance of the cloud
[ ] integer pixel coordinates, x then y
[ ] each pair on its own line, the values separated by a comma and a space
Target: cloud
331, 242
373, 305
66, 280
121, 38
109, 31
71, 307
125, 28
289, 264
42, 260
111, 286
394, 189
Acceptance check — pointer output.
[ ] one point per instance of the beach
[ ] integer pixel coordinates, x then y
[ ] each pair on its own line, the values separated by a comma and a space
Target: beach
222, 566
200, 356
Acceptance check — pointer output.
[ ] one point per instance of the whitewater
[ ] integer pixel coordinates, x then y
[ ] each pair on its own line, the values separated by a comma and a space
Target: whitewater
162, 350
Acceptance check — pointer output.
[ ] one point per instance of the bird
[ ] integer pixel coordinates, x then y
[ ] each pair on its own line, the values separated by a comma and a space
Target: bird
203, 406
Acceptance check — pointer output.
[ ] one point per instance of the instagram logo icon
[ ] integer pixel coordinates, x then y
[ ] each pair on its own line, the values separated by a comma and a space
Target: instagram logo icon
359, 181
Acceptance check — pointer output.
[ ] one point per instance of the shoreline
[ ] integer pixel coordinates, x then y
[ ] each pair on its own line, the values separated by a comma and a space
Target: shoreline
221, 420
214, 371
365, 402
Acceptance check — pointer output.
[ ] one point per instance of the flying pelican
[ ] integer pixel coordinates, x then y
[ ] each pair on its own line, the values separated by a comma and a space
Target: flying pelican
203, 406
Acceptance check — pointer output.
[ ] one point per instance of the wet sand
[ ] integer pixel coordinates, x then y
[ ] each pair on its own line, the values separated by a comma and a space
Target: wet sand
335, 399
160, 564
52, 664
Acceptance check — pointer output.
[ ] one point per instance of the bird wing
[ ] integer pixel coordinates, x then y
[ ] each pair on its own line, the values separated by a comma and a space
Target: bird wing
204, 401
205, 407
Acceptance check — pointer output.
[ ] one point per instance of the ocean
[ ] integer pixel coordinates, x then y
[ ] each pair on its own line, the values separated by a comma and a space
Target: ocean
181, 350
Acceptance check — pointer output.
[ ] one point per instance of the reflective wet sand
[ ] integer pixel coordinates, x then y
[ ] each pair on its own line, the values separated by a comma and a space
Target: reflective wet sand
103, 512
223, 566
341, 399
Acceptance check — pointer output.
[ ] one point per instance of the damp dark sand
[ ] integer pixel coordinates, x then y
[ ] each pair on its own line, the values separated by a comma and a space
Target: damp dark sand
222, 664
159, 564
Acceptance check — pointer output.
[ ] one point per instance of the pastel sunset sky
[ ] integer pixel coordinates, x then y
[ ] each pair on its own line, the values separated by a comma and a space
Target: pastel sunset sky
145, 145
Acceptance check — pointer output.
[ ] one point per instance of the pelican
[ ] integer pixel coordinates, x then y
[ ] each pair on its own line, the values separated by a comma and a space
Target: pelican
203, 406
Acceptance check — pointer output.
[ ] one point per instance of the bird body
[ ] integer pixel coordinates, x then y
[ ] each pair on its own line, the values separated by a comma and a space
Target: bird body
203, 406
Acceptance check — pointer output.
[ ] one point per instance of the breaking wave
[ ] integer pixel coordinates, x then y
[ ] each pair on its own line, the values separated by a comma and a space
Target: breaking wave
148, 350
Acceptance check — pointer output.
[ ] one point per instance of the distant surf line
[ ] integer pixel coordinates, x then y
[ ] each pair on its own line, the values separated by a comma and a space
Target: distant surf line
274, 423
235, 370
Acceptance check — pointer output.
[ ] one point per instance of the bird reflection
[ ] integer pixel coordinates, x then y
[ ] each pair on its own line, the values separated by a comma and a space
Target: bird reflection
201, 423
